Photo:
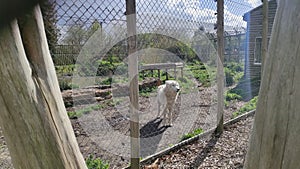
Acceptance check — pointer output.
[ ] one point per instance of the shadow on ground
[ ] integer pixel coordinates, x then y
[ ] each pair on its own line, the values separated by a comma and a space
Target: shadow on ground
151, 134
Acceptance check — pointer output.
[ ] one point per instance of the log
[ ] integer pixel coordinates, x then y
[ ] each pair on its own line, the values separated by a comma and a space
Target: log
33, 118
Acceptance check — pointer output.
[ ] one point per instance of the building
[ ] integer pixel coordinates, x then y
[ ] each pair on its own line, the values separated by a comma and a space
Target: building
254, 38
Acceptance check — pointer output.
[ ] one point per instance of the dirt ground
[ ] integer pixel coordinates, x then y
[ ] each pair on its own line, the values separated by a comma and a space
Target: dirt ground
105, 133
226, 151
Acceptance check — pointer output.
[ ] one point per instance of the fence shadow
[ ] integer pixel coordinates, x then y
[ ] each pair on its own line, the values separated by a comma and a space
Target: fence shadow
206, 150
150, 135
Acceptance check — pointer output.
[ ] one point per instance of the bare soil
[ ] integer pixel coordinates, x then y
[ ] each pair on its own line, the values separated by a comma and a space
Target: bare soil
226, 151
105, 133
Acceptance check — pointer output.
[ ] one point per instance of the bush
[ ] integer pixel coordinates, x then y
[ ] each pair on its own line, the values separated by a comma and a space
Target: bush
232, 96
65, 84
229, 77
65, 70
251, 105
96, 163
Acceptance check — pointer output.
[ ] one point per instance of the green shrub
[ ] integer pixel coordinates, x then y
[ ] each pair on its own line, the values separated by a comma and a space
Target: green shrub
66, 70
229, 77
251, 105
192, 134
96, 163
200, 73
65, 84
232, 96
146, 91
234, 66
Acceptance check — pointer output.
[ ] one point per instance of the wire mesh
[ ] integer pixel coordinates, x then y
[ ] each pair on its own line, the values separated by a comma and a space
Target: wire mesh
88, 44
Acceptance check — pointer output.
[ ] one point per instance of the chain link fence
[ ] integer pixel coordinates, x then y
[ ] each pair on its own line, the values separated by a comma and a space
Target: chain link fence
88, 44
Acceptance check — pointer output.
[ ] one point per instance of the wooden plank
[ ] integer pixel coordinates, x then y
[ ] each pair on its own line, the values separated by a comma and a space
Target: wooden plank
33, 117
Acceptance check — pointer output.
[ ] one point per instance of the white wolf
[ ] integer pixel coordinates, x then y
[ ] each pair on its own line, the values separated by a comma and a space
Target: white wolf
167, 95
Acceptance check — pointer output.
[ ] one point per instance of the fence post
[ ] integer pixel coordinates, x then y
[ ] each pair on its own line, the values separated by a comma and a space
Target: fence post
133, 85
264, 41
220, 70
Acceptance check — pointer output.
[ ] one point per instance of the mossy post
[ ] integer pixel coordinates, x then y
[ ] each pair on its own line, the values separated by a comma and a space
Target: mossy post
33, 118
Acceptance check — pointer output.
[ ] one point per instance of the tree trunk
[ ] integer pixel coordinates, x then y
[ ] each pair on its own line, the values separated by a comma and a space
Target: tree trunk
275, 137
264, 42
33, 118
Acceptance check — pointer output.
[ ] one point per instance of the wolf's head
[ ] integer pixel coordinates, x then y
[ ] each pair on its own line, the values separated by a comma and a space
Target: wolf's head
173, 85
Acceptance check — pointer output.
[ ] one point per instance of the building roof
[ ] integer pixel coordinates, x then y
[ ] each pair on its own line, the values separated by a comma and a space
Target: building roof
247, 14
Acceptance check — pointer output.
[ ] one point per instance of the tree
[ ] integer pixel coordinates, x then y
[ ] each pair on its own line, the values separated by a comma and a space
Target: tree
50, 20
76, 34
33, 117
275, 137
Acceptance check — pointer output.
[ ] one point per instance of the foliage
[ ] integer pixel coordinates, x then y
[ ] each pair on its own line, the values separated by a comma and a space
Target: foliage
233, 72
65, 70
147, 90
251, 105
66, 84
232, 96
200, 73
247, 88
229, 74
48, 9
96, 163
192, 134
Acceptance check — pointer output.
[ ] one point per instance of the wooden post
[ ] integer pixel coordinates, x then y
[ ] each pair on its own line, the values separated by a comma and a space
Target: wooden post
133, 84
275, 138
175, 72
167, 77
33, 117
158, 73
220, 69
264, 43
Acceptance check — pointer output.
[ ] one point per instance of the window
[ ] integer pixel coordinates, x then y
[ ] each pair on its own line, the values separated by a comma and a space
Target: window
257, 50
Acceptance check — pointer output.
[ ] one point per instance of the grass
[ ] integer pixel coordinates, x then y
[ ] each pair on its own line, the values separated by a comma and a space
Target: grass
96, 163
88, 109
192, 134
251, 105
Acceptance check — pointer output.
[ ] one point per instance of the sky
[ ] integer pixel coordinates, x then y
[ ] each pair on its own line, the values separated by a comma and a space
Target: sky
154, 14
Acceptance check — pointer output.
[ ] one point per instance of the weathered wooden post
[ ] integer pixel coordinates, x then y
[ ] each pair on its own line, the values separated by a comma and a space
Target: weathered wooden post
264, 41
275, 138
133, 85
32, 116
220, 69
